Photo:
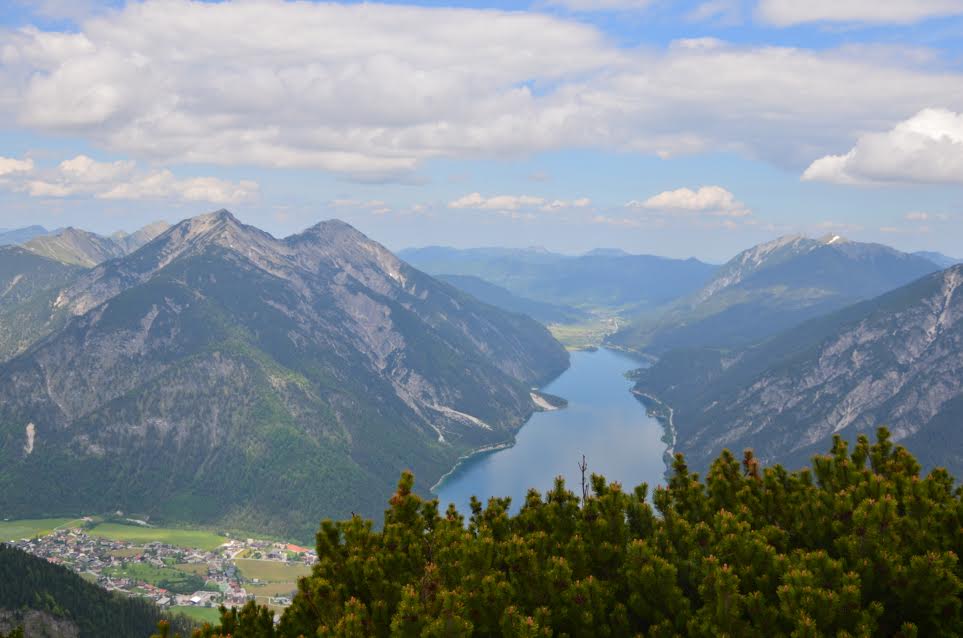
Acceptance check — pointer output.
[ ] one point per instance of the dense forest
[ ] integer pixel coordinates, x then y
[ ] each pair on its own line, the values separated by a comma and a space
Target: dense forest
859, 545
31, 583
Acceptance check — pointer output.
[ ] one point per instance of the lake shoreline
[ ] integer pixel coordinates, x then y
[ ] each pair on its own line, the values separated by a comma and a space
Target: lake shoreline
494, 447
665, 415
604, 422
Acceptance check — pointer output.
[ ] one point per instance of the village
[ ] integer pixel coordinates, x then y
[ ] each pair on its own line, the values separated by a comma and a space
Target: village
179, 578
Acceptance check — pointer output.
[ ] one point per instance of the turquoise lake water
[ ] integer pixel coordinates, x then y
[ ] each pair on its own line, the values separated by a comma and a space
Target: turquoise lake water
603, 421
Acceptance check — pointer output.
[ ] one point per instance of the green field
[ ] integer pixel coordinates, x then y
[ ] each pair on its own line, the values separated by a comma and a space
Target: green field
200, 614
270, 571
32, 528
171, 579
270, 590
177, 537
193, 568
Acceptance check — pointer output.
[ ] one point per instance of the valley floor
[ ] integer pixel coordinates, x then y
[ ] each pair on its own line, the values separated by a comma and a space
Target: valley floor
181, 570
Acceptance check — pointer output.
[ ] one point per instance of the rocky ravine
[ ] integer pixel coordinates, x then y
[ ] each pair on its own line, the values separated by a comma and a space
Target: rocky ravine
896, 360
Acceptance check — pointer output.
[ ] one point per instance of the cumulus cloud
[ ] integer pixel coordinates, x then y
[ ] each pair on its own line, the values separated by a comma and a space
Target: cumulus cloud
9, 166
373, 90
791, 12
83, 175
927, 148
516, 202
711, 200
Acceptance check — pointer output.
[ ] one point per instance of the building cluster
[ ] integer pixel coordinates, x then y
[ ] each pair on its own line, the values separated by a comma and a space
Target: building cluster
110, 563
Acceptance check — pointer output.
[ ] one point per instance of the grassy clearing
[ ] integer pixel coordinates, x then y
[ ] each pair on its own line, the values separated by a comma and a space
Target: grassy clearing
193, 568
31, 528
270, 571
177, 537
270, 590
200, 614
171, 579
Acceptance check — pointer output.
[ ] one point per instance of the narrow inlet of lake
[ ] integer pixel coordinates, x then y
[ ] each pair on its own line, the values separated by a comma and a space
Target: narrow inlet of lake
603, 421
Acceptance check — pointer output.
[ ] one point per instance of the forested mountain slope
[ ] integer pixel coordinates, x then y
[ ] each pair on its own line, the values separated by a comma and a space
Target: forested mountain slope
29, 285
51, 601
220, 375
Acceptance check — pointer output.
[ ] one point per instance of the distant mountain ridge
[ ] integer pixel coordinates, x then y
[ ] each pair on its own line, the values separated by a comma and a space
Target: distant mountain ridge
894, 360
82, 248
13, 237
939, 259
772, 287
501, 298
221, 375
605, 280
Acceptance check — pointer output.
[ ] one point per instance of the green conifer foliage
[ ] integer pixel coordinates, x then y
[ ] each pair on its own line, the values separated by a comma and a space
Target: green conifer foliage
861, 545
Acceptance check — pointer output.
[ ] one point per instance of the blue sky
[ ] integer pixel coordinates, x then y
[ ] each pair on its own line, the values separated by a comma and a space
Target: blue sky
691, 128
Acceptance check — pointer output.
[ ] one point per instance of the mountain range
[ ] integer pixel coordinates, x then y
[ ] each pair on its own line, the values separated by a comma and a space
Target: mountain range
29, 285
939, 259
543, 311
82, 248
17, 236
771, 288
220, 375
607, 279
894, 360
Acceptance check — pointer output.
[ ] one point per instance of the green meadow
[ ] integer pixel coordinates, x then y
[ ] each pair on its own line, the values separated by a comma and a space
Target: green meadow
31, 528
197, 539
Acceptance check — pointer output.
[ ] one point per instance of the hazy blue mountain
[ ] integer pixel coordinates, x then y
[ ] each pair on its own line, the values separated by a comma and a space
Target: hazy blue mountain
504, 299
220, 375
611, 281
939, 259
896, 360
16, 236
772, 287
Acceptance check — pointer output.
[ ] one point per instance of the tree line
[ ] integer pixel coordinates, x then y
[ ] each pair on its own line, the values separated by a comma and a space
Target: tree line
31, 583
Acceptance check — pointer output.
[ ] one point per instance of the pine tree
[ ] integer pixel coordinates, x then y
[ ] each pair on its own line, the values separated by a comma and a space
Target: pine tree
861, 545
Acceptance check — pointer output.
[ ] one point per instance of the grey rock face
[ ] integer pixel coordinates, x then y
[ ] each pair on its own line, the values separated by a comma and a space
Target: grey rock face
269, 382
896, 361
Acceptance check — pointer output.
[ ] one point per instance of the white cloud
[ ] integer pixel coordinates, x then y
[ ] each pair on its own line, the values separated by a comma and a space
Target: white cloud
9, 165
624, 222
83, 175
922, 216
585, 6
791, 12
726, 12
711, 200
164, 185
516, 202
927, 148
373, 90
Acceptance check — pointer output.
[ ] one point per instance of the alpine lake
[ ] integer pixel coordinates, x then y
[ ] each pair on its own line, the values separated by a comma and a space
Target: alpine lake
603, 421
